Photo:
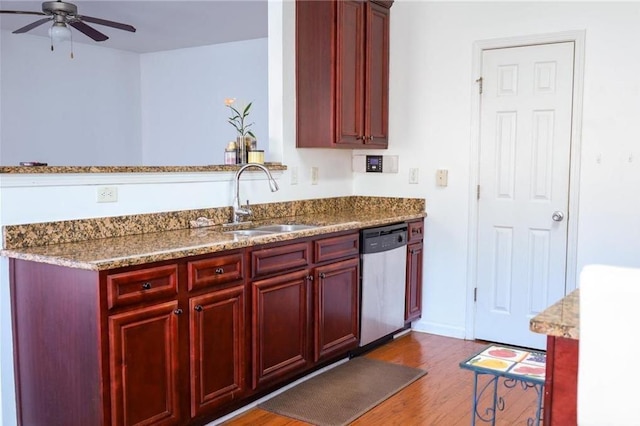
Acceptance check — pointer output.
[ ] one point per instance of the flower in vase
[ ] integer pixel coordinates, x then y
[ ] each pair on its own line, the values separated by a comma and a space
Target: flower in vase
238, 119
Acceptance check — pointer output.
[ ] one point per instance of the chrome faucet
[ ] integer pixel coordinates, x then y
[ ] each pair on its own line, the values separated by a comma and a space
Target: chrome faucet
238, 210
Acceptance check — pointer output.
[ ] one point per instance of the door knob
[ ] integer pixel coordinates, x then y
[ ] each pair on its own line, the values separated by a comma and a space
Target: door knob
557, 216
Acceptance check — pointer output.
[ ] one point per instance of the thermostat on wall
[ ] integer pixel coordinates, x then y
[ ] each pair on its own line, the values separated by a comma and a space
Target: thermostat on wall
375, 163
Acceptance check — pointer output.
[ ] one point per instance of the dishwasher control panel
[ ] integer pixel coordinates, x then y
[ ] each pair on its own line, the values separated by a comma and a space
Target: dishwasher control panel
384, 238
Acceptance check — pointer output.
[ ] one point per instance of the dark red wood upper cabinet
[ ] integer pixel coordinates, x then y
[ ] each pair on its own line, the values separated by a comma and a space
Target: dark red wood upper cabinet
342, 74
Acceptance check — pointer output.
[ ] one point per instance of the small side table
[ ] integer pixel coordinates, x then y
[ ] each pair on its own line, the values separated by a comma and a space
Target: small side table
515, 366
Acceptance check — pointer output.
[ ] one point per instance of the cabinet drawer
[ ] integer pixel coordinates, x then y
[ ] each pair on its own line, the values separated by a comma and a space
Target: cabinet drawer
284, 258
215, 271
128, 288
336, 247
416, 231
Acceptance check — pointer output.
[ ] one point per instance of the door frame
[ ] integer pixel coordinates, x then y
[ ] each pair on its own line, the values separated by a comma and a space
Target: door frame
578, 38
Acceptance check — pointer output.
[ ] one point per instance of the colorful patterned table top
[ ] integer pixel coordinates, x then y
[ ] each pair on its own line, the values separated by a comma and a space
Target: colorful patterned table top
516, 363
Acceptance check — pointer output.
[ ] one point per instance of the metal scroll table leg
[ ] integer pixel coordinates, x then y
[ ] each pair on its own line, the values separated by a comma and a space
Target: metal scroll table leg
497, 403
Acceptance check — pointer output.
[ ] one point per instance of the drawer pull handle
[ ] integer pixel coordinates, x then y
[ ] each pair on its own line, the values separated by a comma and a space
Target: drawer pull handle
146, 286
198, 308
219, 271
178, 311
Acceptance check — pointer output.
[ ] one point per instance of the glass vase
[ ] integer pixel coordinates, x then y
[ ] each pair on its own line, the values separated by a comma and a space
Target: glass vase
241, 149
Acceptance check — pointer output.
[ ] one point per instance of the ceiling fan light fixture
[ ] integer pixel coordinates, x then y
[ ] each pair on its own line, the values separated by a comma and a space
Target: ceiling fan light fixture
59, 32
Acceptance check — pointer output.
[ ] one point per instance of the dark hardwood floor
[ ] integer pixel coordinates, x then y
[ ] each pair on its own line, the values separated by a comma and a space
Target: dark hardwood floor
442, 397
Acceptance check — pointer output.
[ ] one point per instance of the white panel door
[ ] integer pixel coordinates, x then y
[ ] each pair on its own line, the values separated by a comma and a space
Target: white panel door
525, 139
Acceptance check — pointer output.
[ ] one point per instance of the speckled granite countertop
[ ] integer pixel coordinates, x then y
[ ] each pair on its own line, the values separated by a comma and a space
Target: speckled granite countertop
102, 252
562, 319
127, 169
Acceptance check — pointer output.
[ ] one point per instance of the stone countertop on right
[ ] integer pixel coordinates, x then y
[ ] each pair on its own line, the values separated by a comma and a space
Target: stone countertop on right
562, 319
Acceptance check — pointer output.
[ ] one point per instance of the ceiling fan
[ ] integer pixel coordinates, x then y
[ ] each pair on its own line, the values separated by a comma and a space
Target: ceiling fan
63, 13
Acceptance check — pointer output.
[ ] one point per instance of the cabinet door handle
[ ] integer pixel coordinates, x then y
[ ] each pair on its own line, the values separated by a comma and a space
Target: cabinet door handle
178, 311
370, 138
219, 271
198, 308
146, 286
309, 277
322, 275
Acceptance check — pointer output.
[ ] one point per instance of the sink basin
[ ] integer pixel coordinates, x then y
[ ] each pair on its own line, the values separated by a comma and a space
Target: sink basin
284, 227
250, 232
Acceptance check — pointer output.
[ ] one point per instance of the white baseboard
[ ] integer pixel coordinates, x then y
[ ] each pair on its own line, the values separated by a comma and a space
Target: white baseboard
439, 329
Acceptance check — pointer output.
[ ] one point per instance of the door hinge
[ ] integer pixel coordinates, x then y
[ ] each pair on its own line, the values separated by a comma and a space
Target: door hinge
475, 294
479, 81
478, 192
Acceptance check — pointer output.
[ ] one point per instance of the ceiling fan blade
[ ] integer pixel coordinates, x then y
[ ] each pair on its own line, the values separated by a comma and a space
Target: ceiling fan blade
31, 25
107, 23
22, 12
88, 31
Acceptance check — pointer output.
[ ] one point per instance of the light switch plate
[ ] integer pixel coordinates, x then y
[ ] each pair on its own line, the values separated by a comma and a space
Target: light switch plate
442, 177
413, 176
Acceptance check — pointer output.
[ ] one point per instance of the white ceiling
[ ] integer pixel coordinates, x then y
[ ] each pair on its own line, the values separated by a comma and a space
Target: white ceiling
160, 25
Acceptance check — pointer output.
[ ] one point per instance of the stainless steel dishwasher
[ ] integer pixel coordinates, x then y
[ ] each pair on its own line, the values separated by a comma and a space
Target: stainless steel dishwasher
383, 265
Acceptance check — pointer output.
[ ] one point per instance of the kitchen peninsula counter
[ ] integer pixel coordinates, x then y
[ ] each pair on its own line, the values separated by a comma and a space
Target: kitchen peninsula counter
95, 244
127, 169
561, 323
562, 319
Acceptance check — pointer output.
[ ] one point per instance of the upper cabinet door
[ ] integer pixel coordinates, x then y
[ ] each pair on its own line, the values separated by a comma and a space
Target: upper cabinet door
377, 77
342, 73
350, 64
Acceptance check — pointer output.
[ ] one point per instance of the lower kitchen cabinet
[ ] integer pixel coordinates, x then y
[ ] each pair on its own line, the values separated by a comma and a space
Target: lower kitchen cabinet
218, 355
145, 387
561, 381
279, 327
336, 308
184, 341
413, 302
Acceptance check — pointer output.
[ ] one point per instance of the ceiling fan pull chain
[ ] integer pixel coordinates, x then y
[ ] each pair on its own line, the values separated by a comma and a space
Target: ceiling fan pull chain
71, 44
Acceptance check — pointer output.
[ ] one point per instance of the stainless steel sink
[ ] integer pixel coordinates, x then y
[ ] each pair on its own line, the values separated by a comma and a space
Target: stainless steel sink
249, 232
284, 227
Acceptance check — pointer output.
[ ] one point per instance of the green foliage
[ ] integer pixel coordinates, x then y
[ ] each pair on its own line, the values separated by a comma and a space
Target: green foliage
238, 120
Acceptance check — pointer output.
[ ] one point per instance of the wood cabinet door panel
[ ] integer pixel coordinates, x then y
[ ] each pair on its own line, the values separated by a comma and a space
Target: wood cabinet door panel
413, 302
280, 318
217, 348
336, 308
143, 363
350, 72
334, 248
143, 285
214, 271
377, 77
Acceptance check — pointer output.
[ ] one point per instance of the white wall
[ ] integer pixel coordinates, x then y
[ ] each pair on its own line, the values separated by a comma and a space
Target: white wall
430, 128
114, 108
183, 93
62, 111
